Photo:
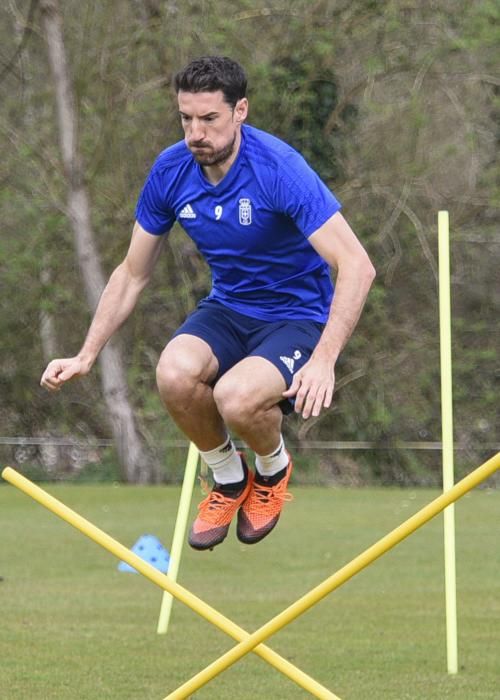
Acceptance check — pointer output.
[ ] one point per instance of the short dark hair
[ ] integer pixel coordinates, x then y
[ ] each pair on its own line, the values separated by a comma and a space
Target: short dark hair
213, 73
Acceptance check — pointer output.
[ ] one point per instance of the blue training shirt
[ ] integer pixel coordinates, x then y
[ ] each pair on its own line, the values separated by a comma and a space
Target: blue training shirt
251, 228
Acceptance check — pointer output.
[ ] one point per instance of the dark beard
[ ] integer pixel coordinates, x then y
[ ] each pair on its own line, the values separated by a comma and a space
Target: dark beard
215, 157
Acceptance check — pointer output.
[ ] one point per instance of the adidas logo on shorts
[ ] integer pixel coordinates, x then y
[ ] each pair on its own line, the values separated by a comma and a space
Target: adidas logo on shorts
290, 361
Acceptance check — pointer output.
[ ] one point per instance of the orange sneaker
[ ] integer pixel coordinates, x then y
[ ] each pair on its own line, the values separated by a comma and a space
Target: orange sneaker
262, 509
216, 512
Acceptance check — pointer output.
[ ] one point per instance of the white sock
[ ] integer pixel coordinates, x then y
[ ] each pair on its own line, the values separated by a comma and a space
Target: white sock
268, 465
225, 463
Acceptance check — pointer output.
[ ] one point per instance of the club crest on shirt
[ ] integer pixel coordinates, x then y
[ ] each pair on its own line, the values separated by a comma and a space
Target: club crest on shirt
245, 211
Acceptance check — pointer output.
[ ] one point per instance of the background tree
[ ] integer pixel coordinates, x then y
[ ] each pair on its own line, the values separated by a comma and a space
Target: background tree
134, 461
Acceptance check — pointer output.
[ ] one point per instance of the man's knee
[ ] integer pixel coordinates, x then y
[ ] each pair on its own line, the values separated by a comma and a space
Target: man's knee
171, 377
176, 374
236, 402
182, 366
246, 393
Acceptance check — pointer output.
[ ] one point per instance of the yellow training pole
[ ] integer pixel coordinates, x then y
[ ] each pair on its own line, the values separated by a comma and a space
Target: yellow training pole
182, 594
337, 579
179, 535
447, 438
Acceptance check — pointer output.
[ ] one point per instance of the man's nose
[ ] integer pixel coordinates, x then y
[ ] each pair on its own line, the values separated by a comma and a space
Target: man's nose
197, 130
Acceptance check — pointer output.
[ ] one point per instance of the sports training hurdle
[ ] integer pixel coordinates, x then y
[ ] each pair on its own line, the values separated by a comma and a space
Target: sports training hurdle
163, 581
254, 641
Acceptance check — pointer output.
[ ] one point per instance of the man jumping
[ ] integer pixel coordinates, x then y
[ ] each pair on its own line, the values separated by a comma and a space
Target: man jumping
266, 339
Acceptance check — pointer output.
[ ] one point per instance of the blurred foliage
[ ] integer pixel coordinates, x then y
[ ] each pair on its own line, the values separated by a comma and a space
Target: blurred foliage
395, 104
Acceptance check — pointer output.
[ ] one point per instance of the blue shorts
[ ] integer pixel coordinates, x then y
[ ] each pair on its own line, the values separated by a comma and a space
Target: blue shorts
233, 336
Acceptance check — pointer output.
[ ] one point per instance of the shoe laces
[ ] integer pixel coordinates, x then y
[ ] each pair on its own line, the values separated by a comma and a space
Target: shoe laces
217, 508
268, 500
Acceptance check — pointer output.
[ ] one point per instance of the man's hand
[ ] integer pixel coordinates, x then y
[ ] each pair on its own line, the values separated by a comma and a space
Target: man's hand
58, 372
312, 387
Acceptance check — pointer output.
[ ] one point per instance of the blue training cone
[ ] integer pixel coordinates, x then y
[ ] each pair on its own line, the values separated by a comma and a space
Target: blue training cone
149, 548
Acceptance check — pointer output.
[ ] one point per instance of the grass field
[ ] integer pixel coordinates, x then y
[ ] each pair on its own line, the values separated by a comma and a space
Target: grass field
73, 627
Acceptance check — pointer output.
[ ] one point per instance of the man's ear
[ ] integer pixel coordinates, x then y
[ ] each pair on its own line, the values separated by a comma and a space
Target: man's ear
241, 110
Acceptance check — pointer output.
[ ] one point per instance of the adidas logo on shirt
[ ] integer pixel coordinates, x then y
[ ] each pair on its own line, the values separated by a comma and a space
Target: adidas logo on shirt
187, 212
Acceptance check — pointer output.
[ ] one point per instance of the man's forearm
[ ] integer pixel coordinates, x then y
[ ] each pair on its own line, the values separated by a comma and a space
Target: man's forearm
115, 306
351, 290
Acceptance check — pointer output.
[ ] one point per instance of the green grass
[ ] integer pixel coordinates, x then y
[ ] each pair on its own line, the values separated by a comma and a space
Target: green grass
72, 626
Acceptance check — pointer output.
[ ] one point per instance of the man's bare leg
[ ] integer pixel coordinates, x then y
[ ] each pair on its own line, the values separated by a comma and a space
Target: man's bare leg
247, 397
185, 373
186, 369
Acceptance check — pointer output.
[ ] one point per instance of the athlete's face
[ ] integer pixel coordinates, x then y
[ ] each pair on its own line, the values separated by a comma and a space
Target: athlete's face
211, 126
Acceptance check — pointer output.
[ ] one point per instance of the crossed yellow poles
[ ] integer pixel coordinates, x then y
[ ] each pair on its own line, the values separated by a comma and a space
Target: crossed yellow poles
254, 641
